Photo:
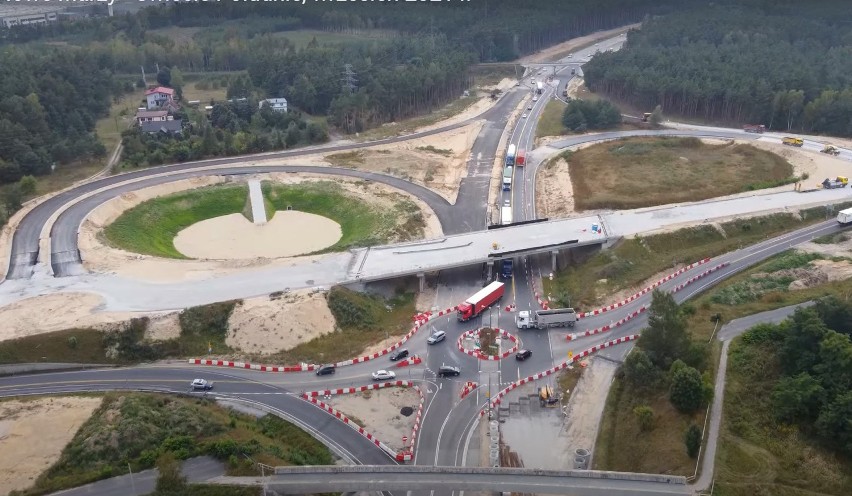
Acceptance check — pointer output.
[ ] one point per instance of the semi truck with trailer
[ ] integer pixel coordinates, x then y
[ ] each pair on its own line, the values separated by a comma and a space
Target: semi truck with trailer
521, 158
540, 319
539, 87
844, 216
754, 128
507, 178
480, 301
510, 155
505, 215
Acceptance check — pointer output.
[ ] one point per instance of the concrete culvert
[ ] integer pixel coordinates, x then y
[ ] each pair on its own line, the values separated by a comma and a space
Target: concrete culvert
579, 464
406, 411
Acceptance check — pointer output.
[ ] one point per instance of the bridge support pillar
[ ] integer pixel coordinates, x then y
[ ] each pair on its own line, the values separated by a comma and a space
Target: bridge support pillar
490, 270
421, 278
553, 261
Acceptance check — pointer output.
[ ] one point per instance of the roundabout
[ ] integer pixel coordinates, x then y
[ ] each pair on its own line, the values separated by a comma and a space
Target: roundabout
487, 343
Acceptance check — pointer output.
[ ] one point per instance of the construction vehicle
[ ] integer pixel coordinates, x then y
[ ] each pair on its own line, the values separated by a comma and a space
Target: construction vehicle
520, 159
754, 128
539, 319
507, 178
830, 150
510, 155
793, 141
646, 116
845, 216
837, 182
480, 301
546, 396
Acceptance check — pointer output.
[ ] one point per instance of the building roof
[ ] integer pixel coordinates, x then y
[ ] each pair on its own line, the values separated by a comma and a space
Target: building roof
160, 89
151, 113
276, 100
157, 126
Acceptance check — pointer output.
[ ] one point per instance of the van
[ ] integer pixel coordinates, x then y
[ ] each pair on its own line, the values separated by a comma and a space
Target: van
326, 369
436, 337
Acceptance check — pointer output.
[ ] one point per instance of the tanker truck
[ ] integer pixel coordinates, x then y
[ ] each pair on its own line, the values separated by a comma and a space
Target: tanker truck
483, 299
557, 317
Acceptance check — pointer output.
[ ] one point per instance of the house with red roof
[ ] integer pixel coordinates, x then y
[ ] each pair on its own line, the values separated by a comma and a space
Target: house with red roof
160, 97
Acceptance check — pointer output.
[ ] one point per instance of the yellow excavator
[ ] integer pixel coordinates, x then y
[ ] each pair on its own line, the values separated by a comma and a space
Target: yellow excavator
831, 150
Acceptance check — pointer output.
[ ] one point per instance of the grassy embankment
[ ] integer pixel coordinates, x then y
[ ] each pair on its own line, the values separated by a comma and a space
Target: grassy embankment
362, 321
150, 228
622, 445
660, 171
135, 429
550, 123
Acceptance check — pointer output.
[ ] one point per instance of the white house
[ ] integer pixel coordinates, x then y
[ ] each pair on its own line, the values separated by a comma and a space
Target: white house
276, 104
160, 97
152, 116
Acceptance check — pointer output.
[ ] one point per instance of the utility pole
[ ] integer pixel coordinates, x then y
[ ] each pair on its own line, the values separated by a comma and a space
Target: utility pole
132, 485
350, 80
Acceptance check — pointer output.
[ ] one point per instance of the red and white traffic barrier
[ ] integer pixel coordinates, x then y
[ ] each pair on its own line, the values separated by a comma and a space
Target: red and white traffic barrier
499, 396
415, 360
478, 354
468, 387
699, 276
407, 452
609, 327
263, 368
359, 389
644, 291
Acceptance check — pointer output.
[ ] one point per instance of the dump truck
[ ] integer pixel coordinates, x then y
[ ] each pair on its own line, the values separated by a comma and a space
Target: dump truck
844, 216
521, 158
539, 319
837, 182
539, 87
830, 150
505, 215
646, 116
793, 141
510, 155
507, 178
480, 301
754, 128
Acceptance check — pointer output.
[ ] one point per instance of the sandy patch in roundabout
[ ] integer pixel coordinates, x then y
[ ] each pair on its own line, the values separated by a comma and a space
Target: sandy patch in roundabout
50, 422
234, 237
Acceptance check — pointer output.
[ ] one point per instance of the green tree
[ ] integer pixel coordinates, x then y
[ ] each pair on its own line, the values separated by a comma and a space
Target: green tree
170, 481
164, 77
573, 120
666, 338
692, 439
834, 422
686, 389
27, 184
645, 416
797, 398
639, 370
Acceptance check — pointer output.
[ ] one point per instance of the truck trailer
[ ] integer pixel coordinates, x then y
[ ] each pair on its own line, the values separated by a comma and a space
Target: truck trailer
557, 317
539, 87
844, 216
510, 155
505, 215
754, 128
507, 178
483, 299
521, 158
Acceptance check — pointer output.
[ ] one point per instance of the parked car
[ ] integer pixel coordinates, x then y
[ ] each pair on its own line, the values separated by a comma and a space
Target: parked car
326, 369
201, 384
399, 355
446, 371
523, 355
436, 337
383, 375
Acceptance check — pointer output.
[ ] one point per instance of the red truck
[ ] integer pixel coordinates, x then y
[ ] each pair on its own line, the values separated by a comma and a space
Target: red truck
483, 299
521, 158
754, 128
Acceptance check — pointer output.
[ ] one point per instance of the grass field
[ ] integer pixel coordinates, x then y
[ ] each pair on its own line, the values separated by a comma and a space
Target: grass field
550, 123
362, 319
490, 75
204, 92
135, 429
634, 260
409, 125
644, 172
758, 456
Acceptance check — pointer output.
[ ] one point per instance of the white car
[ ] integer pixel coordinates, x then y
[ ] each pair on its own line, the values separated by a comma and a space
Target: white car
596, 44
532, 80
201, 384
436, 337
535, 98
570, 55
524, 116
383, 375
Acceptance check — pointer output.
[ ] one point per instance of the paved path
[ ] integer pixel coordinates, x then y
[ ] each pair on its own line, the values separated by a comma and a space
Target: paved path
200, 469
258, 209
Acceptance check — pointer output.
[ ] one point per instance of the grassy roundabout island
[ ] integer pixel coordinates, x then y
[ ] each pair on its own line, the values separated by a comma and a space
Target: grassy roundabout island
358, 217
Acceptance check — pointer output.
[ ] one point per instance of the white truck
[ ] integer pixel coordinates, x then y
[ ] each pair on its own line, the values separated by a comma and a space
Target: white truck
845, 216
539, 87
507, 178
557, 317
506, 216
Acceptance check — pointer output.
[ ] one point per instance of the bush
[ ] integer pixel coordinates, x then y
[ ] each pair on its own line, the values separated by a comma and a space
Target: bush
686, 391
645, 415
692, 439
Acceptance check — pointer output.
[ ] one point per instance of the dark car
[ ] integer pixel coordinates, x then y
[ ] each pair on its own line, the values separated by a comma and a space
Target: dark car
523, 355
326, 369
446, 371
399, 355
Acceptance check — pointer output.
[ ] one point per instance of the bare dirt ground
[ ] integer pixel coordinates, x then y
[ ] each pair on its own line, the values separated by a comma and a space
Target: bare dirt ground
379, 412
484, 103
163, 327
586, 404
54, 313
98, 257
33, 434
554, 191
262, 326
573, 44
843, 248
235, 237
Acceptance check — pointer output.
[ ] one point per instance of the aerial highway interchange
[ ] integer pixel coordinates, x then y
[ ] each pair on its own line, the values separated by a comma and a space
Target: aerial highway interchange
448, 423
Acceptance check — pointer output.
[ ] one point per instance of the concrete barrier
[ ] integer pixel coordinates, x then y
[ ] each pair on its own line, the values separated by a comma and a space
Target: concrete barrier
478, 354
